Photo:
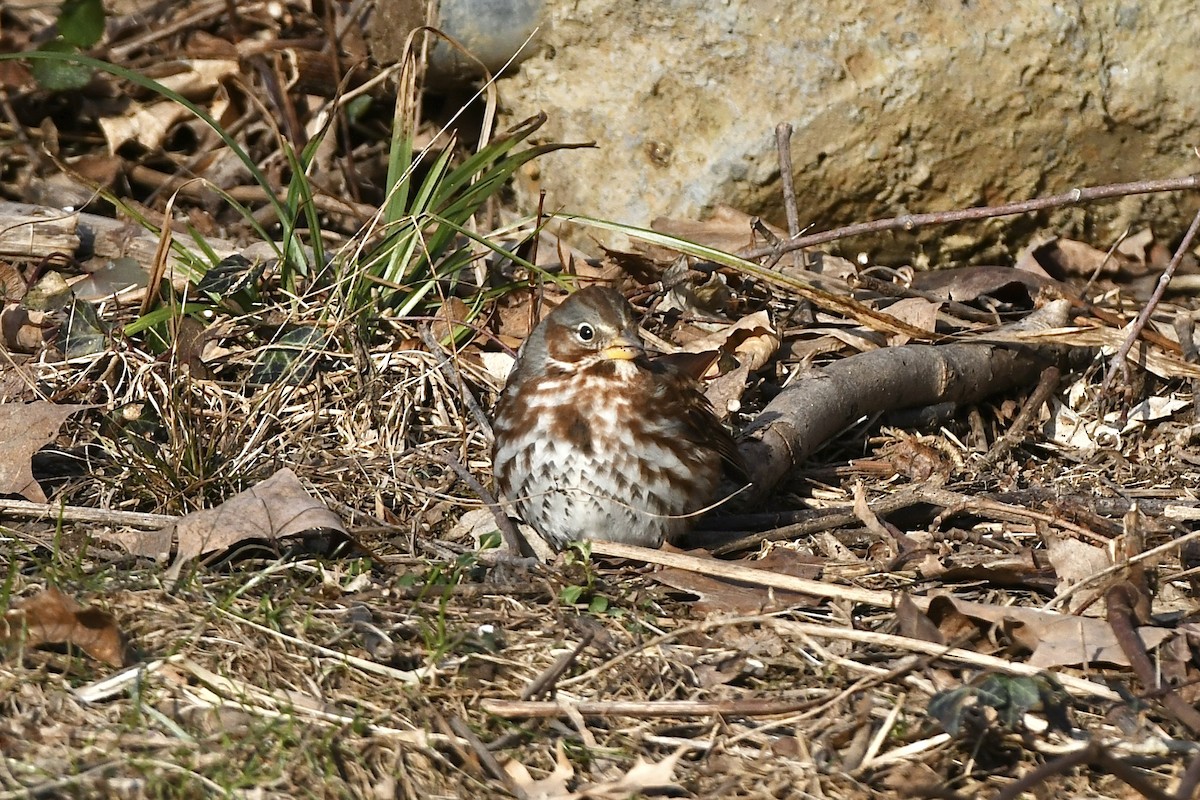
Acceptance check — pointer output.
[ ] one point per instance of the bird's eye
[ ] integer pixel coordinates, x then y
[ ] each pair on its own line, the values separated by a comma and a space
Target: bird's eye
585, 333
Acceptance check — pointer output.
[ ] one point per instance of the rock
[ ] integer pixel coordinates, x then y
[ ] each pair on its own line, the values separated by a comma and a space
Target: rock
494, 31
898, 107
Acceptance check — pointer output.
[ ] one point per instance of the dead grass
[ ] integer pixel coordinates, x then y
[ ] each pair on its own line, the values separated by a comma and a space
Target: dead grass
423, 667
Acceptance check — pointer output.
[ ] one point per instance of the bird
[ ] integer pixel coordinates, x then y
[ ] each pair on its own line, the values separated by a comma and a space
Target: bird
595, 441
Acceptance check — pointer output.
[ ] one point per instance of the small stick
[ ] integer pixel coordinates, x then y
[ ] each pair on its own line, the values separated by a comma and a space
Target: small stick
539, 685
1185, 331
486, 759
1016, 432
450, 369
133, 519
783, 141
509, 531
510, 709
909, 222
1118, 360
1121, 600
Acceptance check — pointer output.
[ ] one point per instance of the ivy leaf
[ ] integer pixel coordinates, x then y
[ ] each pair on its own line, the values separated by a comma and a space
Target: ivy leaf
60, 75
81, 22
1010, 696
291, 359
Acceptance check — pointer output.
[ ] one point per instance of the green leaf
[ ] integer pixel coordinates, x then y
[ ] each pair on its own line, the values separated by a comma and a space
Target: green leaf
81, 22
83, 334
229, 276
570, 594
291, 359
948, 708
598, 605
60, 75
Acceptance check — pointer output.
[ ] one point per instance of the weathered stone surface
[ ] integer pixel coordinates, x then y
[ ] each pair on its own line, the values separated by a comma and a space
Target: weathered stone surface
907, 106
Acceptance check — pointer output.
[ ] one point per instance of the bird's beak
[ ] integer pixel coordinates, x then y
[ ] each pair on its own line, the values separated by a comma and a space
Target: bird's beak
623, 348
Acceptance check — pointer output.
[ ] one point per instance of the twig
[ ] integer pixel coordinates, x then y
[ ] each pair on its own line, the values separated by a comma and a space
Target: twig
643, 709
486, 759
539, 685
1096, 755
1121, 600
512, 538
953, 502
909, 222
450, 369
1016, 432
134, 519
1186, 789
818, 522
1118, 360
783, 142
854, 594
1185, 331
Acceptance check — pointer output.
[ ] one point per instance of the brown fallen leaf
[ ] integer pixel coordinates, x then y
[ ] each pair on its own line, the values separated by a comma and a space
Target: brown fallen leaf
553, 785
51, 617
726, 596
1071, 258
1076, 561
1136, 247
966, 284
148, 125
25, 429
916, 311
274, 509
1060, 639
752, 340
643, 778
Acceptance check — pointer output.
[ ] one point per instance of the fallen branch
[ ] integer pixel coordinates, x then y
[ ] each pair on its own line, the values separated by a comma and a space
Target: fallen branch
819, 404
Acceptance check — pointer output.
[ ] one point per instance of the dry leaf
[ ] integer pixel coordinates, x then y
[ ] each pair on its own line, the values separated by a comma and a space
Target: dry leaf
274, 509
146, 125
25, 429
1067, 257
50, 617
915, 624
916, 311
1076, 561
643, 778
966, 284
1137, 246
450, 316
752, 340
722, 595
195, 77
551, 787
1060, 639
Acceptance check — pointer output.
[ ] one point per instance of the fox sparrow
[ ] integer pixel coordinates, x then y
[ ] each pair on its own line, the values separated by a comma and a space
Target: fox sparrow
594, 441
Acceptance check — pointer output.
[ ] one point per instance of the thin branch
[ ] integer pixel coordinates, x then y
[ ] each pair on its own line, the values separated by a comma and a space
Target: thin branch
1118, 359
1047, 384
1122, 600
910, 222
783, 142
